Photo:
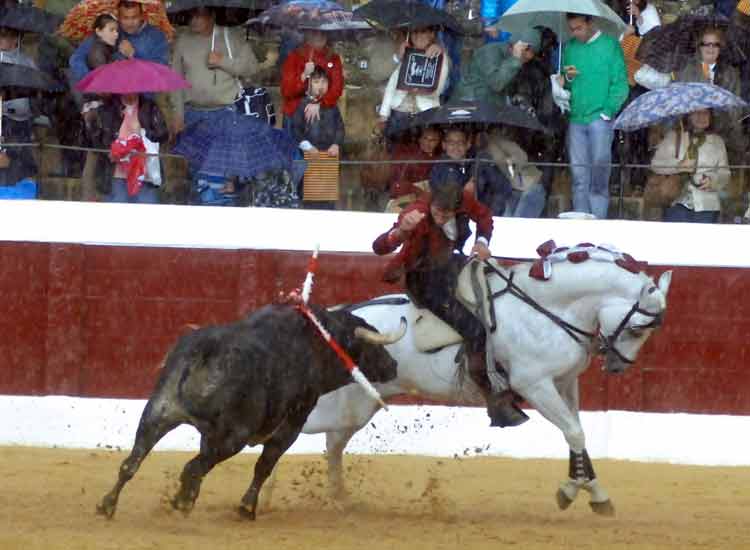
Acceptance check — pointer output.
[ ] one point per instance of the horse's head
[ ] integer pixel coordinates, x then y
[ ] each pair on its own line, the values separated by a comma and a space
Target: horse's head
624, 326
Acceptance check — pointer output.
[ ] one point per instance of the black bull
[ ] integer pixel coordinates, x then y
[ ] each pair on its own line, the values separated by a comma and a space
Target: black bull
251, 382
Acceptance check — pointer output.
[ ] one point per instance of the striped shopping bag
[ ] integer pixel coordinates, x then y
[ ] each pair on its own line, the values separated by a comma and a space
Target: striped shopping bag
321, 181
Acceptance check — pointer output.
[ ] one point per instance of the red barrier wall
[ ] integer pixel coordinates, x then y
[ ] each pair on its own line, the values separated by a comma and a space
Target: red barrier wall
96, 321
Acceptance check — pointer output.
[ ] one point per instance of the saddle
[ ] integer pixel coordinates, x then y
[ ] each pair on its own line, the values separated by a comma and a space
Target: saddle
432, 333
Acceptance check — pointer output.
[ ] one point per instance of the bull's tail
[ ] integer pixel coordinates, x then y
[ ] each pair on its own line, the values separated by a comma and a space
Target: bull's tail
163, 362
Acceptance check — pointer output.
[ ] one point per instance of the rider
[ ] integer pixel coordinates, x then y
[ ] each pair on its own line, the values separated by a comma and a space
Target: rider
433, 231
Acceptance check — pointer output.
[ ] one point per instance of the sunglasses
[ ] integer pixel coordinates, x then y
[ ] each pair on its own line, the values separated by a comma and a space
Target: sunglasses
711, 44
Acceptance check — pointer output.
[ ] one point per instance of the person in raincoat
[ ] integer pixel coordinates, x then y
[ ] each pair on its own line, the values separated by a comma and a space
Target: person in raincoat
494, 66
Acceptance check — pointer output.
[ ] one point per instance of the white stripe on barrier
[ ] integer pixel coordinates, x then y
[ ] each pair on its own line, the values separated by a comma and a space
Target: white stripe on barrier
277, 229
423, 430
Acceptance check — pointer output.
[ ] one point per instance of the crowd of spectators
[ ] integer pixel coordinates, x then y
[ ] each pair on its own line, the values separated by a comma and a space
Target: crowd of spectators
576, 93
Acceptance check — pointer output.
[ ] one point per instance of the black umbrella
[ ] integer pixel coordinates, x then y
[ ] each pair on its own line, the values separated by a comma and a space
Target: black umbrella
670, 47
476, 113
21, 76
407, 15
175, 6
29, 19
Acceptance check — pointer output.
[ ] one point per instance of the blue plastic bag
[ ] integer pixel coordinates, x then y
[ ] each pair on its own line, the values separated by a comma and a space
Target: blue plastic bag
23, 190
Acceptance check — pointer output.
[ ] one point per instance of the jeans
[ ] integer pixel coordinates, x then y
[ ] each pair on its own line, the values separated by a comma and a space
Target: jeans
680, 213
148, 194
591, 144
526, 204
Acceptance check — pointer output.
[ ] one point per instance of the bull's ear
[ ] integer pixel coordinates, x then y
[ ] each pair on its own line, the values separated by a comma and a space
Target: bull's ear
664, 282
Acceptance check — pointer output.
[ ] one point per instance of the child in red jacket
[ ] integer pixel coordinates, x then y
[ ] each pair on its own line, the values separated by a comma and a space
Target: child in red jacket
296, 71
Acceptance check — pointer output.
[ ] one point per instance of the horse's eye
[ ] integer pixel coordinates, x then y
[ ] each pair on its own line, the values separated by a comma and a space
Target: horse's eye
635, 332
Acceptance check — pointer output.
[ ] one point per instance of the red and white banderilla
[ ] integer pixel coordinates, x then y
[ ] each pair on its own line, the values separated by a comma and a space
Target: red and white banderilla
349, 363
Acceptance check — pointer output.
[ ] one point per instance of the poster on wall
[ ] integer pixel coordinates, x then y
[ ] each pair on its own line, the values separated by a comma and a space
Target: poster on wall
419, 73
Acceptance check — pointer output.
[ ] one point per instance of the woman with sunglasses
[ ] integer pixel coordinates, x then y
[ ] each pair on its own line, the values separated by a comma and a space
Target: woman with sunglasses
709, 66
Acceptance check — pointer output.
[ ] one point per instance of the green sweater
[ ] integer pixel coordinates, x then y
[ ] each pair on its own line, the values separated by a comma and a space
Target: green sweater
601, 86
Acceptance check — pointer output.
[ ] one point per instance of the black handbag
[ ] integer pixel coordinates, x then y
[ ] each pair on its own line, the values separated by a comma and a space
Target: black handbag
256, 102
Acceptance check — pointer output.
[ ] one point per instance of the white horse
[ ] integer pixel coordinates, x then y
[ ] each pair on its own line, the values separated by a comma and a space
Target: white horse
546, 335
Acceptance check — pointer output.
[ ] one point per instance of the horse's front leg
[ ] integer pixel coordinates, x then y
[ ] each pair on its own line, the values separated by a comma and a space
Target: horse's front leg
581, 473
546, 399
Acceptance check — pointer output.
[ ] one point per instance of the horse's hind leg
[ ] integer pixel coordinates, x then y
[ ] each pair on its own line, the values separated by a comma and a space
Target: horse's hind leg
335, 444
151, 428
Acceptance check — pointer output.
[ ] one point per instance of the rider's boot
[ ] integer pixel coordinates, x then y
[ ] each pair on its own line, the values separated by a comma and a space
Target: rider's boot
501, 407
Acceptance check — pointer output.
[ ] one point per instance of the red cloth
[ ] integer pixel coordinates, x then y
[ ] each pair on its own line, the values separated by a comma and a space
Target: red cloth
293, 88
134, 165
403, 176
428, 235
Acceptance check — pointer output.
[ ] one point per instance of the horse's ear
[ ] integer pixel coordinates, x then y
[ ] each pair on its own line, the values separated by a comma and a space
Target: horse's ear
664, 281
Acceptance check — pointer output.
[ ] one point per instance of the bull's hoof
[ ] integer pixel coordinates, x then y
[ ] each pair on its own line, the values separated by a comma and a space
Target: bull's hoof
604, 508
106, 508
246, 512
183, 505
563, 500
338, 492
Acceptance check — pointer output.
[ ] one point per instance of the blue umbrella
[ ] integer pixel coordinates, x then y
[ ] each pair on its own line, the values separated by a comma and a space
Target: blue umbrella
679, 98
231, 144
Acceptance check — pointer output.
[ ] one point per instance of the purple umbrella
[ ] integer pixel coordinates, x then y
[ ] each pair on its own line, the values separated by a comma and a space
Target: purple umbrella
131, 76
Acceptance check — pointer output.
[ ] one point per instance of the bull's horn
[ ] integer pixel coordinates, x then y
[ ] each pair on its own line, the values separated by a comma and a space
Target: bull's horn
384, 339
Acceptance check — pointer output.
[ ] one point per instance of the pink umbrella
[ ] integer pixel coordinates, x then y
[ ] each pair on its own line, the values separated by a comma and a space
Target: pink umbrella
131, 76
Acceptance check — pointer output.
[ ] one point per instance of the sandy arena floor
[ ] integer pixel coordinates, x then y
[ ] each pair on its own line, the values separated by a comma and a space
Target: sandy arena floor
48, 499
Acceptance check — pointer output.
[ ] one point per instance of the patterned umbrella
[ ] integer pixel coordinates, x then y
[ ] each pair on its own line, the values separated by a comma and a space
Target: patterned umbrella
131, 76
79, 23
333, 19
235, 145
307, 13
679, 98
670, 47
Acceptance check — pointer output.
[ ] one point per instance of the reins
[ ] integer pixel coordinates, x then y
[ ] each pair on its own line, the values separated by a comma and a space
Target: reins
514, 290
607, 343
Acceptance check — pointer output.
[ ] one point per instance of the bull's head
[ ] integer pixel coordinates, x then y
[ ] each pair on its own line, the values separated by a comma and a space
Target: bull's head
367, 346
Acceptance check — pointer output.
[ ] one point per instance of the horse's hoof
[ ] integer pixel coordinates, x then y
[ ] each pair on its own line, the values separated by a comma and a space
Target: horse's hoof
106, 508
604, 508
246, 512
563, 500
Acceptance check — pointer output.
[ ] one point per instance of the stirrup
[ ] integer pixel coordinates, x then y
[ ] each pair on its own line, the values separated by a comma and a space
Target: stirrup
503, 412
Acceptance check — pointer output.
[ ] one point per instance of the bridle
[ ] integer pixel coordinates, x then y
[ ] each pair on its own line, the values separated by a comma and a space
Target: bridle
606, 343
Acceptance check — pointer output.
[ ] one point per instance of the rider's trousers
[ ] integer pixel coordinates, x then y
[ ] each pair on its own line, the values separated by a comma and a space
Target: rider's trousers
435, 290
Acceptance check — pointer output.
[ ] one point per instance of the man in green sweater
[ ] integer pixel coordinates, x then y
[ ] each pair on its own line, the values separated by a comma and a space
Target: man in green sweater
594, 72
